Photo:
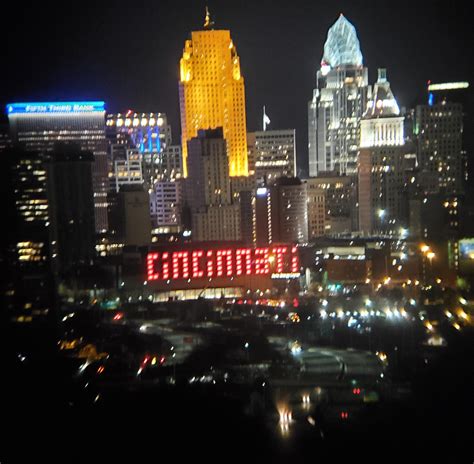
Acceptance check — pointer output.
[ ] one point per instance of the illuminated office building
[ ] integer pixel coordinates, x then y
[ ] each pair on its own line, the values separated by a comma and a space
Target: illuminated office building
281, 213
40, 126
149, 134
212, 93
340, 203
439, 127
316, 210
215, 214
165, 206
51, 225
273, 153
338, 103
127, 171
386, 165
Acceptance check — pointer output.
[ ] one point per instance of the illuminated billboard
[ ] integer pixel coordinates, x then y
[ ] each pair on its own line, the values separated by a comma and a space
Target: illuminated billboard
56, 107
279, 261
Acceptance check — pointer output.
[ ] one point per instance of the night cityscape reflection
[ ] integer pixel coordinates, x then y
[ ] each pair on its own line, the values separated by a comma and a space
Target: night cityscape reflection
256, 267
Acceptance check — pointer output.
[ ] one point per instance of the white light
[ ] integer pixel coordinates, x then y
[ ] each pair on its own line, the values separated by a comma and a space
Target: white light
448, 86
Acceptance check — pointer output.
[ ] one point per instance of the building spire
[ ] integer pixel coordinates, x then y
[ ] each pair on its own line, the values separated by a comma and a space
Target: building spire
208, 23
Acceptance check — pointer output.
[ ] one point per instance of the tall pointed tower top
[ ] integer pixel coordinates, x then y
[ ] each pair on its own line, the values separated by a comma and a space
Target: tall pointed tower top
208, 23
342, 45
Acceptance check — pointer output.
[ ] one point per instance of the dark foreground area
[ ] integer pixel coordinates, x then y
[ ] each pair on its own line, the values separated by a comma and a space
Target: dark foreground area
48, 415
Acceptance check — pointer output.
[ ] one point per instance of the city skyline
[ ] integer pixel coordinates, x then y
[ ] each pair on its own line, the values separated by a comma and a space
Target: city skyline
84, 67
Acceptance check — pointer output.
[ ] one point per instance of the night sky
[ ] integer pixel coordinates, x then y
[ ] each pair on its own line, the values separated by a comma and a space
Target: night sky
127, 52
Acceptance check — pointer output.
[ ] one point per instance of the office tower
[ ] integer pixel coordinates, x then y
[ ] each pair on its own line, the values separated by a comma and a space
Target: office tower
273, 153
127, 171
384, 164
340, 200
212, 93
27, 281
150, 135
131, 218
171, 163
281, 212
439, 130
215, 216
39, 126
338, 103
5, 139
71, 207
316, 210
147, 132
166, 201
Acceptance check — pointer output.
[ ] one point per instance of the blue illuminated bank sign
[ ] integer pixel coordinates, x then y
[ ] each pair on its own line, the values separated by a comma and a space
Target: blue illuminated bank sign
56, 107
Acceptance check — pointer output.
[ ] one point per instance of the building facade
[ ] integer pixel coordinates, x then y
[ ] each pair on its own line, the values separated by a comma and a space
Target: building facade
273, 154
215, 214
386, 165
281, 213
40, 126
212, 93
338, 103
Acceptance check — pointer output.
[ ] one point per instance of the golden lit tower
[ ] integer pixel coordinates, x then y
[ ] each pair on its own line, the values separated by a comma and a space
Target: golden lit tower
212, 94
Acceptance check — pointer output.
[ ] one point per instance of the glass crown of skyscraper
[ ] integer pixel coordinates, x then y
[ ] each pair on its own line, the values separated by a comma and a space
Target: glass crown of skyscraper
342, 46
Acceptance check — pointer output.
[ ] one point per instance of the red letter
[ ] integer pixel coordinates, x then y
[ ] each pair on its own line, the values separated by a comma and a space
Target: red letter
279, 252
295, 265
197, 254
165, 267
184, 256
241, 254
261, 264
209, 264
220, 257
150, 264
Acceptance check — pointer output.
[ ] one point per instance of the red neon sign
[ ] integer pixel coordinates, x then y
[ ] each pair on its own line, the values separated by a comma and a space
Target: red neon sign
226, 262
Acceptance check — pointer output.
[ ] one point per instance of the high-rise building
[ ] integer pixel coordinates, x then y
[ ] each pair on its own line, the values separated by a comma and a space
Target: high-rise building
51, 225
71, 207
171, 163
439, 130
39, 126
127, 171
165, 205
316, 210
212, 93
273, 153
149, 134
340, 201
386, 164
215, 216
338, 103
443, 144
132, 216
27, 281
281, 212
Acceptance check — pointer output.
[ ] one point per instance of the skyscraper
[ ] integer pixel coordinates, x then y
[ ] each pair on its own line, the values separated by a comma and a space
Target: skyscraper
71, 207
39, 126
215, 216
439, 128
281, 212
273, 153
338, 102
385, 164
212, 93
